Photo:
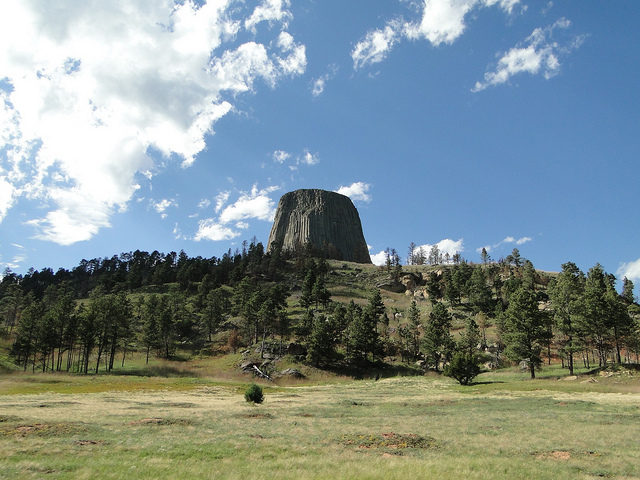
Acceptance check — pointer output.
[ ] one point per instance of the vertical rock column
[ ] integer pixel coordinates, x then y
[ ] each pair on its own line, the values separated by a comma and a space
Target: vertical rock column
326, 220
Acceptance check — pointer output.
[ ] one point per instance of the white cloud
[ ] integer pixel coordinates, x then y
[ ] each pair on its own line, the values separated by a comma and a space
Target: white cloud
305, 158
309, 158
94, 85
6, 197
163, 204
442, 21
318, 85
208, 229
445, 246
509, 239
269, 11
356, 191
537, 54
488, 248
221, 200
255, 204
280, 156
379, 259
375, 46
631, 270
204, 203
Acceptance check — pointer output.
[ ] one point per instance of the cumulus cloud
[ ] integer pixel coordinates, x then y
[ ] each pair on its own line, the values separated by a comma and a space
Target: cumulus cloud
208, 229
379, 259
356, 191
631, 270
442, 21
445, 246
90, 88
538, 54
253, 205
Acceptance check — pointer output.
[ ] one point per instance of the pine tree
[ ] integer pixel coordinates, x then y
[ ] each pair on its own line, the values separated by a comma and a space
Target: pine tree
627, 290
524, 329
566, 298
436, 341
414, 328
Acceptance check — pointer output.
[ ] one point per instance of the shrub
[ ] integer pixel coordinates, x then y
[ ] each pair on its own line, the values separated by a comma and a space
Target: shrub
254, 394
464, 367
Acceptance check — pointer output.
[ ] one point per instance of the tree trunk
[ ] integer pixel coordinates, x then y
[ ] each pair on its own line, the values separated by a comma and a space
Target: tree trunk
532, 369
570, 355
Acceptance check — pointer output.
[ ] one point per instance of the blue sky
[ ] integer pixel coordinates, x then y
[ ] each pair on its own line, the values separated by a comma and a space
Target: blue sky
467, 123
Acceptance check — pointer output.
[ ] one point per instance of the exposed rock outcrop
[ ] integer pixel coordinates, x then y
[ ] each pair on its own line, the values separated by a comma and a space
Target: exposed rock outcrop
327, 221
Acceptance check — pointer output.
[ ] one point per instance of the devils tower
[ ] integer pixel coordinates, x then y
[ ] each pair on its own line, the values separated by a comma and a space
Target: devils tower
327, 221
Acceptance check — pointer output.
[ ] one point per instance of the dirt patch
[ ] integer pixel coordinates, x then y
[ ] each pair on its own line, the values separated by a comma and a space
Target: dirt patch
563, 455
90, 442
255, 415
43, 429
162, 421
391, 440
9, 418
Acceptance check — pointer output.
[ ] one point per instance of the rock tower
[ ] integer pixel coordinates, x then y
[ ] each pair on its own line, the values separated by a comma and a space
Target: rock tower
326, 220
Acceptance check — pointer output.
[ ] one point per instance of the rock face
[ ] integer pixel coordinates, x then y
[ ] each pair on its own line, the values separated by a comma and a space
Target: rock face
326, 220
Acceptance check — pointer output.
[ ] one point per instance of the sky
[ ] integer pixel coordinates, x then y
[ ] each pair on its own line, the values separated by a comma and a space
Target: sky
173, 126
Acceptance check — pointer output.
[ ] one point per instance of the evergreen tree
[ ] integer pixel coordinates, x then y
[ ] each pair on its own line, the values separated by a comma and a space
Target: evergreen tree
566, 298
414, 329
524, 329
436, 341
595, 320
479, 293
627, 290
320, 293
321, 343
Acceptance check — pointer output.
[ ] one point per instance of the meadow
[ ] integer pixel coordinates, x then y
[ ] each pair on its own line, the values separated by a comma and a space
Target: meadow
186, 426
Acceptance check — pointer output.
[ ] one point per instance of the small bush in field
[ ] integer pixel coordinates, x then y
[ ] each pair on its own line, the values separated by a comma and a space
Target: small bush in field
254, 394
463, 367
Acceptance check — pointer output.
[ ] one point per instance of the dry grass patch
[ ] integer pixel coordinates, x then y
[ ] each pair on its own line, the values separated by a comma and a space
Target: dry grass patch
162, 421
43, 429
391, 440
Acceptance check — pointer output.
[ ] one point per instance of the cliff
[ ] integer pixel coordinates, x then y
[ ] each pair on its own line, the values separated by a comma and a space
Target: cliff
327, 221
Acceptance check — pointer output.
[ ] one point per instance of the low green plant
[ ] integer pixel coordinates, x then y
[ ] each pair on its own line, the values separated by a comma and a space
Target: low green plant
464, 367
254, 394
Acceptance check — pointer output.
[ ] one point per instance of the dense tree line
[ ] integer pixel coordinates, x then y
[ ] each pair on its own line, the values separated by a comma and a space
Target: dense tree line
86, 319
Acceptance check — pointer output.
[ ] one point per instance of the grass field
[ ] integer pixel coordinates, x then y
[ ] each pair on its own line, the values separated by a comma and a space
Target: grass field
503, 427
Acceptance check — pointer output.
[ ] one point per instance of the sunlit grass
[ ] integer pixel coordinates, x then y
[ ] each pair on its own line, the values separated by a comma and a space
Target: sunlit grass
410, 427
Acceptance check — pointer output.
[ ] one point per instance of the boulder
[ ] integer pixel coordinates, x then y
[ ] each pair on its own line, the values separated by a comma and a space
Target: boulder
291, 372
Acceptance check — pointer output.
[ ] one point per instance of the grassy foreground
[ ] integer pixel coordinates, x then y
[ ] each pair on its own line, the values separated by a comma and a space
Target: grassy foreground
504, 427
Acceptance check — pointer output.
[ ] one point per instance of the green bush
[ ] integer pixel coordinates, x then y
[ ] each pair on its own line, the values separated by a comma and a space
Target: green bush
464, 367
254, 394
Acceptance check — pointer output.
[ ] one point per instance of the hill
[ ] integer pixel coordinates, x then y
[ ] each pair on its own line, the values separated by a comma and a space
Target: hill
306, 315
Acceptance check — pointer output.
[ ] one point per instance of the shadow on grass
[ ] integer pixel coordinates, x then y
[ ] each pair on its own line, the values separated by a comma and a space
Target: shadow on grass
155, 371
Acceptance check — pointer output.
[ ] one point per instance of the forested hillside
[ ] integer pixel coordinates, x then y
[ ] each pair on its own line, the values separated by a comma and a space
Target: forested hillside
437, 313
